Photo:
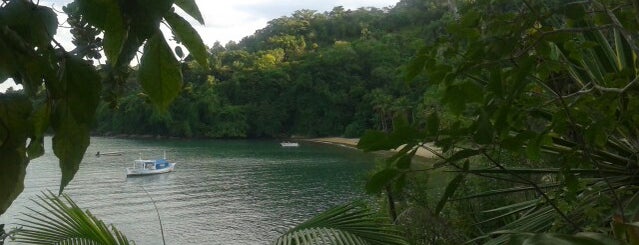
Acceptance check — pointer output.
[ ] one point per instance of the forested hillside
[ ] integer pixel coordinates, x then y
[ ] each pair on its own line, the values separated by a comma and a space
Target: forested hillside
310, 74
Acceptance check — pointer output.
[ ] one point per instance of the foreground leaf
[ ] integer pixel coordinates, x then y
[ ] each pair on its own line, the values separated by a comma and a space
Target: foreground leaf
61, 221
160, 73
82, 89
73, 115
380, 180
36, 24
345, 224
69, 143
14, 130
190, 8
187, 35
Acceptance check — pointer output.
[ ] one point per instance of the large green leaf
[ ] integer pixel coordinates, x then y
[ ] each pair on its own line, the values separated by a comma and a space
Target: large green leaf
115, 33
34, 70
160, 73
95, 12
82, 89
14, 165
187, 35
73, 114
145, 16
36, 24
59, 220
15, 125
381, 179
40, 120
345, 224
70, 141
190, 8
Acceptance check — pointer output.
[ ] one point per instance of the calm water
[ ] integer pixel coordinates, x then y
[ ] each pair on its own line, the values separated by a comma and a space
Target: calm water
223, 192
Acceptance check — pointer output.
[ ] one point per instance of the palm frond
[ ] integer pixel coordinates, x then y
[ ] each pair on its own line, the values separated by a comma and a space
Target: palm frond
61, 221
346, 224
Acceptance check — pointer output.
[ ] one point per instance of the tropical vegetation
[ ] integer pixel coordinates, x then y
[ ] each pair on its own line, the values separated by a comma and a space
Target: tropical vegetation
535, 124
529, 106
59, 220
308, 74
62, 88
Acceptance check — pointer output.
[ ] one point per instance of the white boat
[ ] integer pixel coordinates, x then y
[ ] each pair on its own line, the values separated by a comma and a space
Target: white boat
289, 144
148, 167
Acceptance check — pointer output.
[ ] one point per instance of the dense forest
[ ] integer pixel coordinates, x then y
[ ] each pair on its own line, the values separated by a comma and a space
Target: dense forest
311, 74
528, 106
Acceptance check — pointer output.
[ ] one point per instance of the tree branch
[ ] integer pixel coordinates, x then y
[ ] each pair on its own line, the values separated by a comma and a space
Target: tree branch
619, 26
589, 155
616, 90
564, 30
537, 189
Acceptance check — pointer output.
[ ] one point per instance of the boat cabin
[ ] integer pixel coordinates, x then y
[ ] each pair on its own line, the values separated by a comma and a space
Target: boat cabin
151, 164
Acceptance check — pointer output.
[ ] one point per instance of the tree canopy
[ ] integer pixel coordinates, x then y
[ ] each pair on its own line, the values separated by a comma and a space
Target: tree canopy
308, 74
529, 105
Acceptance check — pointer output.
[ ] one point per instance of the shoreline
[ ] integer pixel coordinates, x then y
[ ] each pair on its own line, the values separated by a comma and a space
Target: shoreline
352, 143
337, 141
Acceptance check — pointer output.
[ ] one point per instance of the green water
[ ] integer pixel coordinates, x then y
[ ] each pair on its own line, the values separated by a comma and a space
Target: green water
222, 192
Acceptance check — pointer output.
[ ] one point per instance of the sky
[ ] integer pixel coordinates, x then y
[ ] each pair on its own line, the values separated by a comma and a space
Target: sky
231, 20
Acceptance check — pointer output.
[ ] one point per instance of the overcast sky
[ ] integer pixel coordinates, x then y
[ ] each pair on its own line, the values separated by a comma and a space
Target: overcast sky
234, 19
228, 20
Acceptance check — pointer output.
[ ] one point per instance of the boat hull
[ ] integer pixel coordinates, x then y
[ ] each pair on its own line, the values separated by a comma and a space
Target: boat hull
289, 144
141, 172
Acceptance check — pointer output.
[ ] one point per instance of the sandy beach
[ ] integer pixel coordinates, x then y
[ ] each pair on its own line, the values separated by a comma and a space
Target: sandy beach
352, 142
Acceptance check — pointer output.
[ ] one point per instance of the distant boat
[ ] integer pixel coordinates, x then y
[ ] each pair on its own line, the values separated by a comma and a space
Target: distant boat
148, 167
112, 153
289, 144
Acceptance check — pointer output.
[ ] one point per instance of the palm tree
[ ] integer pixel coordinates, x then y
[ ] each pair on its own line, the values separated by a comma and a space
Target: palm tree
62, 222
346, 224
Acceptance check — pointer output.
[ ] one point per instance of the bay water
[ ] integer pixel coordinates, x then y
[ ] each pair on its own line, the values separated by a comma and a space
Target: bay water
222, 192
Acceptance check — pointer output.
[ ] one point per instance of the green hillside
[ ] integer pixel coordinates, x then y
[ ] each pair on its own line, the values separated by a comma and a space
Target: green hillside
311, 74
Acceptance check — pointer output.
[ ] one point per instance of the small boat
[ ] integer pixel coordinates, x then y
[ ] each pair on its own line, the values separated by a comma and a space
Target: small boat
112, 153
148, 167
289, 144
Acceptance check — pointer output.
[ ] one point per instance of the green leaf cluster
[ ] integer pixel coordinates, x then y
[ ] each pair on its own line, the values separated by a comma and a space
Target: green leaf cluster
62, 88
538, 99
